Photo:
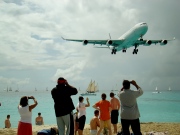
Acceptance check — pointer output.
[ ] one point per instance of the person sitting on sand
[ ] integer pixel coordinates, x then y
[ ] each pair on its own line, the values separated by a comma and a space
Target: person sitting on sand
7, 122
39, 119
94, 123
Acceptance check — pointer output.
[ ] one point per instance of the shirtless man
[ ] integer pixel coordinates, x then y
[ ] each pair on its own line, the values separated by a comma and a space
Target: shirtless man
94, 123
115, 105
39, 120
7, 122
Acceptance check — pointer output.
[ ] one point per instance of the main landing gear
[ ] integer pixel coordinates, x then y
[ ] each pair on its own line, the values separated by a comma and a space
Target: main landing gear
124, 50
135, 50
113, 51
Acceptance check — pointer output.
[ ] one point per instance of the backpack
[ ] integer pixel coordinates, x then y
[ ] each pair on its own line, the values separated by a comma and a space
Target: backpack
50, 131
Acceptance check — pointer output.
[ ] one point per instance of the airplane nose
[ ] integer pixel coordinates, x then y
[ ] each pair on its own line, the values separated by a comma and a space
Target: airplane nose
144, 28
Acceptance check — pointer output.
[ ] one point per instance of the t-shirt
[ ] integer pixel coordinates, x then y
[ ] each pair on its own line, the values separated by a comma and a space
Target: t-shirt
82, 109
25, 114
104, 109
129, 106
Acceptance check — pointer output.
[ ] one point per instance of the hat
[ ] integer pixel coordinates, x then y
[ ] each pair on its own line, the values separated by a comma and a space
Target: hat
61, 80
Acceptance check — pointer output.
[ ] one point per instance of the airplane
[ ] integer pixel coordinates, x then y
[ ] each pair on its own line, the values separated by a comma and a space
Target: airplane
133, 37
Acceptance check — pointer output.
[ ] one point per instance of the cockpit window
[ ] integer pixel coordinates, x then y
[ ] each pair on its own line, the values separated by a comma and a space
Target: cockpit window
143, 24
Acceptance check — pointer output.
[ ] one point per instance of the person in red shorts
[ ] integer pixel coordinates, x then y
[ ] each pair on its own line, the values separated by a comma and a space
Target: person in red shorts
104, 107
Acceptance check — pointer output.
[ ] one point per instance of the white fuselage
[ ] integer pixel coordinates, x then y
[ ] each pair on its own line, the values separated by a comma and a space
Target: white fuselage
131, 36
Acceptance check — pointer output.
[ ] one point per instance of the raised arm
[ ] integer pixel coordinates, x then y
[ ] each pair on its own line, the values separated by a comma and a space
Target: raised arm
139, 91
88, 104
33, 105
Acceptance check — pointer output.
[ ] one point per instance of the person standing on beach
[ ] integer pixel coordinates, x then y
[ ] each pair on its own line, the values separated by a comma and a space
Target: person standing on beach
129, 108
7, 122
105, 108
39, 119
25, 111
81, 108
115, 105
64, 106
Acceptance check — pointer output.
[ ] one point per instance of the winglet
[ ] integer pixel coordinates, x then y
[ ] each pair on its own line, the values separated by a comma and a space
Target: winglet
63, 38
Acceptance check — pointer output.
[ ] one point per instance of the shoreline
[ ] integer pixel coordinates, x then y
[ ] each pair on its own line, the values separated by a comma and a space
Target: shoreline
169, 128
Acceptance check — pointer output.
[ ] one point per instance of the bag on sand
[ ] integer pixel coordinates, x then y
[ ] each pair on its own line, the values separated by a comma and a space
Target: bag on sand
120, 133
51, 131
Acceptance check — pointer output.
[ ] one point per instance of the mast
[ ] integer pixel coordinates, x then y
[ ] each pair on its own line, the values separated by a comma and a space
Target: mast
89, 87
93, 87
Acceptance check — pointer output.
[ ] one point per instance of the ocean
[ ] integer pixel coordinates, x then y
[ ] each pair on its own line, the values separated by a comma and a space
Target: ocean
154, 107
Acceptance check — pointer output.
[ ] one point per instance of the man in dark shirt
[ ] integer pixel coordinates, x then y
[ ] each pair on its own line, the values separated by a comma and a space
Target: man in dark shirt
64, 106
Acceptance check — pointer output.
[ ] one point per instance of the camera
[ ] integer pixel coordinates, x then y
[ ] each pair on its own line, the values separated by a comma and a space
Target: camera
30, 98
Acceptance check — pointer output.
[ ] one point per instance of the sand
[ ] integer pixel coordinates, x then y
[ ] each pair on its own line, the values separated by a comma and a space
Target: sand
170, 128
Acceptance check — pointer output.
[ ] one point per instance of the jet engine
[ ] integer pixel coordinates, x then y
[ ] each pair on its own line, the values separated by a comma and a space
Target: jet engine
148, 43
85, 42
163, 42
109, 42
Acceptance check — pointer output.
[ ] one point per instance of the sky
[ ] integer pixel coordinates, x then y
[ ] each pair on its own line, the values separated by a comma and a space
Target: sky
33, 55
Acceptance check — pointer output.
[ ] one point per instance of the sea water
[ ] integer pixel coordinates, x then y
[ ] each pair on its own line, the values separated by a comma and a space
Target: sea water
153, 107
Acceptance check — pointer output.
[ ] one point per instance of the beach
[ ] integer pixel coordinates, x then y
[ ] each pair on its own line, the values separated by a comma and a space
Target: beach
168, 128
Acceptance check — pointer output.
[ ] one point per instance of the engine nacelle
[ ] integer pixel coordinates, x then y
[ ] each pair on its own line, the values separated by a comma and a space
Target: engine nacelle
148, 43
85, 42
163, 42
109, 42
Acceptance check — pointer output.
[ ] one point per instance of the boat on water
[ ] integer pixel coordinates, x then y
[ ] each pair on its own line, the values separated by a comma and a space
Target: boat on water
116, 89
91, 90
16, 90
169, 89
156, 90
10, 89
46, 88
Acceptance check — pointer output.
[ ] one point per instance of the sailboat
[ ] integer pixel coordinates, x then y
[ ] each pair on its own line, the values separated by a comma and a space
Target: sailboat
46, 88
156, 90
169, 88
116, 89
17, 89
10, 89
91, 89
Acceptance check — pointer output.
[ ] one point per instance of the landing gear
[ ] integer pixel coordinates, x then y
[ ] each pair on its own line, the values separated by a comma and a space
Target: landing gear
113, 51
135, 50
141, 38
124, 50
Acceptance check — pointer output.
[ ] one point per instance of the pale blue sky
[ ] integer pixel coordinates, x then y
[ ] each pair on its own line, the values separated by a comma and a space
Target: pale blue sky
33, 54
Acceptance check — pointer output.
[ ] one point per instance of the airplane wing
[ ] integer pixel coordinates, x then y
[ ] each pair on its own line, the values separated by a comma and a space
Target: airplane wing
149, 42
100, 42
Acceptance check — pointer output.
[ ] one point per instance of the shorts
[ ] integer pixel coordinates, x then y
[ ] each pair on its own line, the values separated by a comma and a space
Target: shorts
94, 132
114, 116
82, 121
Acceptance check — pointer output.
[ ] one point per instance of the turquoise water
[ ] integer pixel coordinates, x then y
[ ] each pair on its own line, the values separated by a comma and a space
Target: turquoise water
163, 107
